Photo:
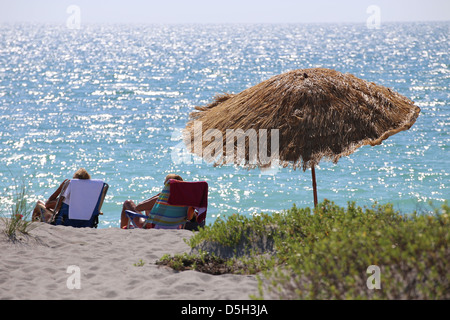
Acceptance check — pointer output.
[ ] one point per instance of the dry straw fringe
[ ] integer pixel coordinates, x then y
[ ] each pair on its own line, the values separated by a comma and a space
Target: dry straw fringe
320, 113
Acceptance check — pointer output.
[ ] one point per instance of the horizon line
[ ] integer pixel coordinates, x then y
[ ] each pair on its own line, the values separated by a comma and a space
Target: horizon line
217, 23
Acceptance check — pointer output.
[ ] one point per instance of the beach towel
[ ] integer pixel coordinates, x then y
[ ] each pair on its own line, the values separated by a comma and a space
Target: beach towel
192, 194
165, 215
82, 196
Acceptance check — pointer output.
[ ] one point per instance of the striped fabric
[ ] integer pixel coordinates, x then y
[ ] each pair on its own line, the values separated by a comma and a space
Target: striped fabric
165, 215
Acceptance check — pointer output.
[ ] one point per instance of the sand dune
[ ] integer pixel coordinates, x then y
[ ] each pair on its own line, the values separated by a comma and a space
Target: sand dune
54, 260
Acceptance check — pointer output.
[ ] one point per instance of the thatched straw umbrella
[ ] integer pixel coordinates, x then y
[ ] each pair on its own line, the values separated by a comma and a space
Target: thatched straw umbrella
319, 113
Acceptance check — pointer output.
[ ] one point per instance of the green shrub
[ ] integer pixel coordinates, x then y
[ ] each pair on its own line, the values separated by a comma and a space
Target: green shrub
331, 261
202, 262
325, 253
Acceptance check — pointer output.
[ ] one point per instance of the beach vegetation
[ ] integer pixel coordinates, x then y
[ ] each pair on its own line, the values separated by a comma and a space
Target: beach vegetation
331, 252
140, 263
203, 262
18, 220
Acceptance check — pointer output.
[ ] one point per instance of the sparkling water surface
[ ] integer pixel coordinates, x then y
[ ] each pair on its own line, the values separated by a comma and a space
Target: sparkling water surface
114, 99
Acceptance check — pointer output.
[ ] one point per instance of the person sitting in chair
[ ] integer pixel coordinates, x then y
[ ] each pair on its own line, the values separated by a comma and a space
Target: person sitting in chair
45, 211
145, 206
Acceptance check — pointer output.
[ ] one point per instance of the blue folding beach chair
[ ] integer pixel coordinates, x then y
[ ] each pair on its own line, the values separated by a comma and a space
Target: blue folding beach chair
86, 200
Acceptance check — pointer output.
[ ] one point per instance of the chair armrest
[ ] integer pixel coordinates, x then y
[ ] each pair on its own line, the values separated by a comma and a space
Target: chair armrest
132, 214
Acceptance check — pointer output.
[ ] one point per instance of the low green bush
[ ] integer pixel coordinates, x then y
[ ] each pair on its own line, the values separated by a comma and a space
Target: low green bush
326, 253
331, 258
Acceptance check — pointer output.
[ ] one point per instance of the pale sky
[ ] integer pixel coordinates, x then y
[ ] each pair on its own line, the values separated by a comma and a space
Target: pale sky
226, 11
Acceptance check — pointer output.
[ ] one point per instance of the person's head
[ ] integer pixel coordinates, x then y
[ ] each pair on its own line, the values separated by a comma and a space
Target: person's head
81, 174
172, 176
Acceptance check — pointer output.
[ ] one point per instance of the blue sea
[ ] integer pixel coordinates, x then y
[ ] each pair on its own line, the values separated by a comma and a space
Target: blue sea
114, 99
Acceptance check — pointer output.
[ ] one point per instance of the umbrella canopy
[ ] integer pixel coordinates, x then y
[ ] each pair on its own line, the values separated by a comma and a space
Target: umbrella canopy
316, 113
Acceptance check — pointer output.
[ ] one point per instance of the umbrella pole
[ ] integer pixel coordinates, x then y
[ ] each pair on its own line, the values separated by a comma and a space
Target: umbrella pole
313, 172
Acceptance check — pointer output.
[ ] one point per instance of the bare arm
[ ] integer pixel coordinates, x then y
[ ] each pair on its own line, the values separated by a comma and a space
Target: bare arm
148, 204
51, 202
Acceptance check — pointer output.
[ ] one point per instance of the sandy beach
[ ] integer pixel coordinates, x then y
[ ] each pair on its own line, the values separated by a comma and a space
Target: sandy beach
107, 264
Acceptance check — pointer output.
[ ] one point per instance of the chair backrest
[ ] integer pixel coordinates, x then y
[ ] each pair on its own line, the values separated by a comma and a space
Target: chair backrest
167, 216
85, 201
171, 207
192, 194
